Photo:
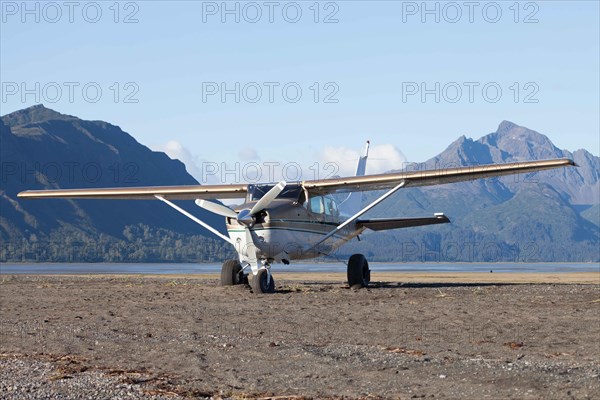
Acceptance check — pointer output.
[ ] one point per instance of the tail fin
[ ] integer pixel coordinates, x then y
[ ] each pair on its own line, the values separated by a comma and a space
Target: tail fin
352, 204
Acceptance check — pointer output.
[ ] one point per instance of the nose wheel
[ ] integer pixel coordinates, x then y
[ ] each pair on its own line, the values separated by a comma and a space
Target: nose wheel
232, 273
262, 282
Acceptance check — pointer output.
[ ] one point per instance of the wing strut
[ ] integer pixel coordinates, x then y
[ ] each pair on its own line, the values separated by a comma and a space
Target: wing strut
190, 216
361, 212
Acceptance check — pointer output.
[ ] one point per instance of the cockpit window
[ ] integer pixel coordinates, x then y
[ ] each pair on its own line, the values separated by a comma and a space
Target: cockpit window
316, 205
324, 205
330, 206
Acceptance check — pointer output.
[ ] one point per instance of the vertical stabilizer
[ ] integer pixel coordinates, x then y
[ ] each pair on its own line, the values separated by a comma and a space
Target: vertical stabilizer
352, 204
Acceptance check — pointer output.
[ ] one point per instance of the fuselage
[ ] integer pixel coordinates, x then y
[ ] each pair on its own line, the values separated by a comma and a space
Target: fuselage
288, 229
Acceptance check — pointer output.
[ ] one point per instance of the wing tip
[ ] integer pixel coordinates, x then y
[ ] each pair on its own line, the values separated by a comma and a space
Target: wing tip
31, 194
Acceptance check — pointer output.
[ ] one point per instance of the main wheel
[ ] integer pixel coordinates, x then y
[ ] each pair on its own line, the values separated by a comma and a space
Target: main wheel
359, 274
259, 282
231, 272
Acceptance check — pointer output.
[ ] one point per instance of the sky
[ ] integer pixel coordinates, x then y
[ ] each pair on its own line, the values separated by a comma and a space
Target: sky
224, 85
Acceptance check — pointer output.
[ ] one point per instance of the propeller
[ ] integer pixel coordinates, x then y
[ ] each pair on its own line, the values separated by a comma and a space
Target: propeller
216, 208
246, 216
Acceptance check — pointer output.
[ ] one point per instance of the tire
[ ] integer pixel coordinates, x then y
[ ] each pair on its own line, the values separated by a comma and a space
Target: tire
359, 274
259, 282
231, 273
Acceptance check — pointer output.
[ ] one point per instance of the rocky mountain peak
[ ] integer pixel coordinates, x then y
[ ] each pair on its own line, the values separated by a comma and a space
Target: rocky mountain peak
34, 114
519, 143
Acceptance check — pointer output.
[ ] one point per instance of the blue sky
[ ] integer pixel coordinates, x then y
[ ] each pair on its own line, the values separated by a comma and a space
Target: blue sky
369, 68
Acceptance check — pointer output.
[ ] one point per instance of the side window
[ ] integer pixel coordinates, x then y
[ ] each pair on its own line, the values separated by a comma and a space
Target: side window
316, 205
330, 207
334, 209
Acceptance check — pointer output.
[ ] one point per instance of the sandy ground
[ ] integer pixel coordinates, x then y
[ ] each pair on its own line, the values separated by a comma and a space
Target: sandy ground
432, 335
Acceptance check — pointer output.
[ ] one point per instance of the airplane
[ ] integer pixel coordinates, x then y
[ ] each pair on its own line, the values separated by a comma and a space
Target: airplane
283, 222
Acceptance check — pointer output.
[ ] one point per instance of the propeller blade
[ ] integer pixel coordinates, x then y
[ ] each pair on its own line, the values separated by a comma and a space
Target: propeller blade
216, 208
268, 198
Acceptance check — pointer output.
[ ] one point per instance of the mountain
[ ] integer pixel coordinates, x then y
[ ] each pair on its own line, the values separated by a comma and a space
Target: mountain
592, 214
43, 149
544, 216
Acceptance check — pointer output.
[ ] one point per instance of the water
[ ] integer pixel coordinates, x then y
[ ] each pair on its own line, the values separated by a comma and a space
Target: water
102, 268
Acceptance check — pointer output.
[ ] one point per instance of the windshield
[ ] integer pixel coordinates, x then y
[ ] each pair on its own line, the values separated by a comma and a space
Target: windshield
256, 192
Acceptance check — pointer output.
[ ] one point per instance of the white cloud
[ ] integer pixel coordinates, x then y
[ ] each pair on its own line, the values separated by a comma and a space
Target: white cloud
382, 158
177, 151
214, 172
331, 161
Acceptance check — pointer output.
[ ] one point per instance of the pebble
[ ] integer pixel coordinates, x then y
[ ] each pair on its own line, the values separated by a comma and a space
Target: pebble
32, 379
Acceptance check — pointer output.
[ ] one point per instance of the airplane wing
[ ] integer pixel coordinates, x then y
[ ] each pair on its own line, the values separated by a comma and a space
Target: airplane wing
354, 183
185, 192
430, 177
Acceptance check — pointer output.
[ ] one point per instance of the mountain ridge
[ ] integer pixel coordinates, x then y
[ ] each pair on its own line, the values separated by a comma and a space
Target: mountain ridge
41, 148
475, 207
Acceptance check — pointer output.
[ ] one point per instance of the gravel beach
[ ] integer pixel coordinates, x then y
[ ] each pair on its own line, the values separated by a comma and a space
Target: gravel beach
406, 336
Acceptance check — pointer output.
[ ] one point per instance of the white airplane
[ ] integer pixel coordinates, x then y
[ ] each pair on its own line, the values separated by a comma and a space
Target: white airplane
279, 223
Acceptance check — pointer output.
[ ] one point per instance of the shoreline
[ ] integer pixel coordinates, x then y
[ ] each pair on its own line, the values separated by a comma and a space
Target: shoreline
592, 278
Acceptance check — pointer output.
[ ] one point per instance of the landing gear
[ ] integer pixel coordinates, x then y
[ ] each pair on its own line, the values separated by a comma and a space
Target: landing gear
262, 282
359, 274
231, 273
